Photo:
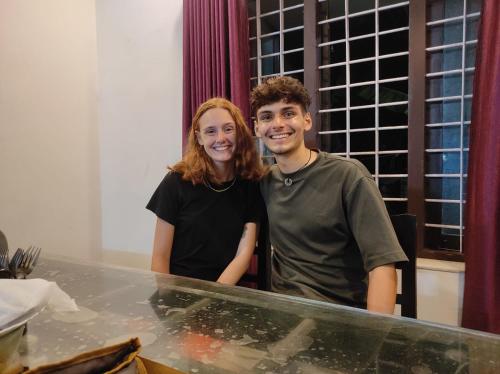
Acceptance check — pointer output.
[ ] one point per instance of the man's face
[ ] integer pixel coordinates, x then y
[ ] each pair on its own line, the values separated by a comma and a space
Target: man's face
281, 126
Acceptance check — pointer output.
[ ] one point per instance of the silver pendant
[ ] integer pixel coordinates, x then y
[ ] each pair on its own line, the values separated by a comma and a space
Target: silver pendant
288, 182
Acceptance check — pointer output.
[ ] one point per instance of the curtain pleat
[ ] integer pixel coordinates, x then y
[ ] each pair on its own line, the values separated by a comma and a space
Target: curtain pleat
215, 60
481, 308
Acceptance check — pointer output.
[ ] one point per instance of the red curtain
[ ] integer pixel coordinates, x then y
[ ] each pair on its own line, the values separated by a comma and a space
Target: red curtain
481, 309
215, 55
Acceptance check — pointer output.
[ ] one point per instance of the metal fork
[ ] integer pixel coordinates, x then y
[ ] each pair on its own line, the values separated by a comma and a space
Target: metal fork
4, 260
28, 262
15, 261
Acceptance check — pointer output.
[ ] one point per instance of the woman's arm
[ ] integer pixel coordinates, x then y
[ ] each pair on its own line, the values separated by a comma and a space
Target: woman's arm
162, 246
239, 265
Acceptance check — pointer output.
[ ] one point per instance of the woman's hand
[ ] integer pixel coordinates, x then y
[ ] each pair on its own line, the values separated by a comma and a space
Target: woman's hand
162, 246
239, 265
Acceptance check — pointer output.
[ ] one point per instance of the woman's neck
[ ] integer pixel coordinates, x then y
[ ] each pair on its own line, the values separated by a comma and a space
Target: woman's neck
224, 172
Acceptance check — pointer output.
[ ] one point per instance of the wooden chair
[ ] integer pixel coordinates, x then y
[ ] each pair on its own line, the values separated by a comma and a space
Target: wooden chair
405, 226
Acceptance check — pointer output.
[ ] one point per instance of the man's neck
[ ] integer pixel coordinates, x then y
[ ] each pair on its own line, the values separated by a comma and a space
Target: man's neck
291, 162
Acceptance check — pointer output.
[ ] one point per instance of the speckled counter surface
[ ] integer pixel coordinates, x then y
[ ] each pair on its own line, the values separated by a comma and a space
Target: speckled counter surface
203, 327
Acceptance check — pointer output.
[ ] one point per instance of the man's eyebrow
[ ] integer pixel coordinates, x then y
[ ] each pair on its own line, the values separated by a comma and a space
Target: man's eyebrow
264, 112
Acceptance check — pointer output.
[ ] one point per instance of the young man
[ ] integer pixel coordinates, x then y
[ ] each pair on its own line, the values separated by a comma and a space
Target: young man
331, 235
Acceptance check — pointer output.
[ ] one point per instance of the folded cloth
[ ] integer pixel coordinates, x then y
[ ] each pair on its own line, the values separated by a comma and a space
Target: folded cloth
21, 299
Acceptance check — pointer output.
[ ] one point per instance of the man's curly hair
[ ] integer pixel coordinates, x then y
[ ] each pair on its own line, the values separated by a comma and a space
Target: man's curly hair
275, 89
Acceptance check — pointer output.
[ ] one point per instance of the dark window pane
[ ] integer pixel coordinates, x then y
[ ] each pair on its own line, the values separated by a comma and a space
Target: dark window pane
368, 161
333, 121
270, 44
469, 82
269, 24
393, 43
252, 28
332, 31
287, 3
445, 33
465, 161
253, 68
293, 18
442, 188
394, 18
362, 48
473, 6
393, 163
393, 67
299, 76
441, 9
471, 28
333, 99
330, 9
360, 5
253, 48
392, 140
294, 61
332, 54
443, 111
442, 137
466, 136
391, 92
362, 118
270, 65
442, 213
333, 143
393, 115
393, 187
253, 83
396, 207
362, 72
333, 76
251, 8
293, 39
389, 2
470, 55
362, 95
442, 162
467, 109
442, 239
267, 6
362, 141
362, 25
443, 60
443, 86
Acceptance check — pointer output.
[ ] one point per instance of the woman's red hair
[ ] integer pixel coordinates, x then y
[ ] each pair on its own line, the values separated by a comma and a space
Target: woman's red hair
197, 166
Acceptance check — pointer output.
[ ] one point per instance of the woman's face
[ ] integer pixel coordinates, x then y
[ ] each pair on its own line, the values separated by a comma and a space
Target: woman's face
217, 135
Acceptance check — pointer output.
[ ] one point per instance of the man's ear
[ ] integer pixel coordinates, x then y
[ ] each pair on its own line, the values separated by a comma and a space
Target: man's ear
307, 121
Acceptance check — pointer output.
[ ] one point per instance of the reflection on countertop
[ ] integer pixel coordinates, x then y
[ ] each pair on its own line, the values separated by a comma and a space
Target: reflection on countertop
203, 327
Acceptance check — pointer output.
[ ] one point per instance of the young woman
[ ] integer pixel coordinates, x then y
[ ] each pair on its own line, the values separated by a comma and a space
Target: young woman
209, 204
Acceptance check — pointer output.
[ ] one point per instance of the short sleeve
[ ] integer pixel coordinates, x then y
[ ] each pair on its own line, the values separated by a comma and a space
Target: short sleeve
165, 201
255, 204
371, 225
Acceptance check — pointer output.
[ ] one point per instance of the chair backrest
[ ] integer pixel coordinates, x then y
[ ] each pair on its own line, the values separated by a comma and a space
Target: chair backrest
405, 226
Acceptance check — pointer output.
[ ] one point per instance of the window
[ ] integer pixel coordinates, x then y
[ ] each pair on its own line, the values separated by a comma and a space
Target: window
362, 95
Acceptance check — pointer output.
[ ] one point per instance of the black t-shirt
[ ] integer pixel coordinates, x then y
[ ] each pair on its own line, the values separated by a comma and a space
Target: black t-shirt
208, 224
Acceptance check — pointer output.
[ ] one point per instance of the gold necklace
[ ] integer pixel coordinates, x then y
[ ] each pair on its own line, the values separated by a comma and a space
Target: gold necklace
288, 180
221, 190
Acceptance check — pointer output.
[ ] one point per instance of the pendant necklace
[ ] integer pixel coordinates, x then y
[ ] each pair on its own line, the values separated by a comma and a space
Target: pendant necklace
288, 180
219, 190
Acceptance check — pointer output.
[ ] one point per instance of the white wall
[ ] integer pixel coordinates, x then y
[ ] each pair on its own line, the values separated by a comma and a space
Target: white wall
90, 115
139, 49
49, 178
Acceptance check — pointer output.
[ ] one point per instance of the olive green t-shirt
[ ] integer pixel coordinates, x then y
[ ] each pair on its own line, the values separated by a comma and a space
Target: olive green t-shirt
328, 229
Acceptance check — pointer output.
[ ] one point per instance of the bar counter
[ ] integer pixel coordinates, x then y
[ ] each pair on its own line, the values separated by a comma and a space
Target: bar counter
203, 327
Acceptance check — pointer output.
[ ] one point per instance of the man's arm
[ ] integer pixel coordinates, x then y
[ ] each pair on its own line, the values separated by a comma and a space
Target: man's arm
382, 288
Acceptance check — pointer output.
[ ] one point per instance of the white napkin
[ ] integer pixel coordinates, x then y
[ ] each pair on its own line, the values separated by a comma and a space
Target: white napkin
19, 297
